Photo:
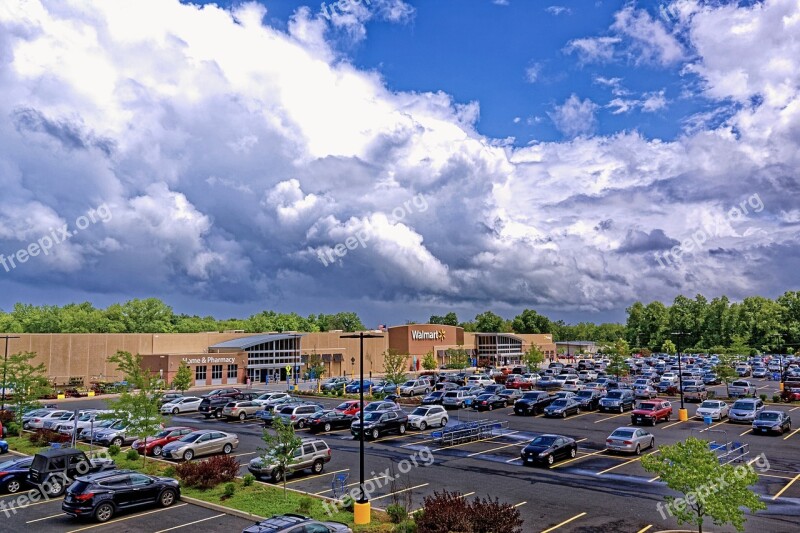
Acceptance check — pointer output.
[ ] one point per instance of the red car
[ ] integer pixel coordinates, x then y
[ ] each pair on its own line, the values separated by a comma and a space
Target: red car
153, 445
515, 381
349, 408
651, 412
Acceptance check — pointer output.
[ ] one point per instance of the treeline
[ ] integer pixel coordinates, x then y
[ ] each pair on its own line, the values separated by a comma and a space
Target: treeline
151, 315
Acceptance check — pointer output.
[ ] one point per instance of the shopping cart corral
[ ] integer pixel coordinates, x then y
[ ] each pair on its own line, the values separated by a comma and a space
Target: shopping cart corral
469, 431
726, 450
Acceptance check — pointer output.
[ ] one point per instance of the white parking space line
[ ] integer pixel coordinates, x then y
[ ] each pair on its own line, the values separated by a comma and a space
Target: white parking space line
623, 464
349, 485
14, 507
562, 463
45, 518
401, 491
794, 408
190, 523
745, 432
313, 477
513, 459
609, 417
565, 522
243, 454
498, 448
128, 518
520, 504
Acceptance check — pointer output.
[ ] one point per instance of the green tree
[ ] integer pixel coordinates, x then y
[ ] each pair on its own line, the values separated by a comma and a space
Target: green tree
150, 315
533, 358
280, 449
726, 369
529, 321
489, 322
394, 366
139, 407
315, 365
450, 319
429, 361
669, 347
183, 377
457, 358
692, 469
28, 381
617, 354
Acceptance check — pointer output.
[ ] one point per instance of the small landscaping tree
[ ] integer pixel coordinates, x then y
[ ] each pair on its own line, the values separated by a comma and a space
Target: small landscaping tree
28, 382
183, 377
617, 355
394, 366
429, 361
457, 358
712, 490
726, 369
280, 448
533, 358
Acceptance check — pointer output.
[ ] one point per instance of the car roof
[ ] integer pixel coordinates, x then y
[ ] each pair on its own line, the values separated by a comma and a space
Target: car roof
97, 476
60, 452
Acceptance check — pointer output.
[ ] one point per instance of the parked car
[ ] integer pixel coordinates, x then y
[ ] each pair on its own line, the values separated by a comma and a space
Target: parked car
37, 422
572, 385
767, 421
202, 442
563, 408
270, 397
650, 412
710, 378
630, 440
116, 434
548, 449
85, 420
312, 454
14, 474
760, 372
349, 408
228, 392
381, 405
518, 381
334, 384
741, 388
295, 523
54, 424
532, 403
745, 410
434, 398
644, 391
481, 380
589, 399
329, 421
487, 402
240, 410
457, 399
184, 404
617, 400
51, 469
377, 423
384, 387
169, 397
88, 432
743, 371
427, 416
511, 395
414, 387
105, 494
153, 445
357, 386
299, 415
716, 409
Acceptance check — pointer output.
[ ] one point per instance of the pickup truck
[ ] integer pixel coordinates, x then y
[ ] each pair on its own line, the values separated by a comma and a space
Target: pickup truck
697, 393
741, 388
651, 412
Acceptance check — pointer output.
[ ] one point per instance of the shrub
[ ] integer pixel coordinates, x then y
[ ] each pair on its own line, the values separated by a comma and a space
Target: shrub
43, 437
248, 480
208, 473
230, 489
444, 512
113, 450
763, 397
776, 398
340, 392
6, 416
12, 428
304, 507
131, 455
170, 471
397, 513
491, 516
408, 526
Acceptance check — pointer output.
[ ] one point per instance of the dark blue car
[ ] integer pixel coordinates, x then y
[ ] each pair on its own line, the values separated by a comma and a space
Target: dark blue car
13, 474
355, 386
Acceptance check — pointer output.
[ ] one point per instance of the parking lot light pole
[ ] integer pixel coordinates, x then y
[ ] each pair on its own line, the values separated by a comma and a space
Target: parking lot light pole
683, 414
5, 366
361, 509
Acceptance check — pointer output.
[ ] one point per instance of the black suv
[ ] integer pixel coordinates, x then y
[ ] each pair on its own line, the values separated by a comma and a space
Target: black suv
381, 422
52, 470
104, 494
589, 399
532, 403
213, 405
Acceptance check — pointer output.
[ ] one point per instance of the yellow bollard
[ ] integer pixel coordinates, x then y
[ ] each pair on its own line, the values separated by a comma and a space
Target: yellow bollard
683, 415
780, 386
361, 512
91, 394
61, 396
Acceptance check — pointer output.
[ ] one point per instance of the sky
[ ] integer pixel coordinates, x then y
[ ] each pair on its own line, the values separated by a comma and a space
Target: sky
398, 158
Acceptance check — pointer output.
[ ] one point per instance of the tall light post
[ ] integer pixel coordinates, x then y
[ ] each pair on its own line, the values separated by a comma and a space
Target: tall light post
361, 509
683, 414
296, 369
5, 367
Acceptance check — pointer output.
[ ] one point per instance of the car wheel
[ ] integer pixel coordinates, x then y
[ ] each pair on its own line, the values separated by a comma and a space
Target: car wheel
375, 434
490, 407
156, 451
218, 414
621, 408
564, 414
227, 449
12, 486
116, 442
462, 405
207, 416
327, 426
188, 455
277, 475
578, 411
175, 410
652, 443
319, 464
653, 422
670, 416
301, 423
104, 512
55, 487
573, 452
242, 417
550, 459
167, 498
422, 426
638, 450
402, 429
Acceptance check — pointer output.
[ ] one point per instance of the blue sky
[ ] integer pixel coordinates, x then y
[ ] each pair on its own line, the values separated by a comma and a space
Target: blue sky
399, 158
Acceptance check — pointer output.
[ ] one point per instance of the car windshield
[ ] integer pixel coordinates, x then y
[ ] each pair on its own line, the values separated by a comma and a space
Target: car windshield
420, 411
451, 394
623, 433
614, 394
560, 403
119, 424
483, 397
747, 406
767, 415
85, 417
436, 394
543, 441
191, 437
646, 406
585, 394
8, 465
345, 406
408, 384
709, 405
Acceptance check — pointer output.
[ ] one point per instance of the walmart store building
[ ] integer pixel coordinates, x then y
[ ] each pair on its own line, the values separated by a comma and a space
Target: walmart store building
233, 357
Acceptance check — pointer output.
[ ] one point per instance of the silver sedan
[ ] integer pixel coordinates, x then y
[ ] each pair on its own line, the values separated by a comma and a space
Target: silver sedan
630, 440
203, 442
716, 409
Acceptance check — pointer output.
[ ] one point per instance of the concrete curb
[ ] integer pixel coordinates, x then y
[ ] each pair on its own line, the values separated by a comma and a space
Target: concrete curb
223, 509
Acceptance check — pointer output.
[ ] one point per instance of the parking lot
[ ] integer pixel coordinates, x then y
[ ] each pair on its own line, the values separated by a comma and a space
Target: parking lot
595, 491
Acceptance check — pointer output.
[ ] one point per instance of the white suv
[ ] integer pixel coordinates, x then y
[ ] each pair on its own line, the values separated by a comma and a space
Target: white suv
481, 380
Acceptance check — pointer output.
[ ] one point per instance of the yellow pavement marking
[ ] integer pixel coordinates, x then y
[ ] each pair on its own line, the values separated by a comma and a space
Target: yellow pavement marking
470, 442
655, 478
45, 518
562, 463
128, 517
241, 454
645, 528
610, 417
318, 475
520, 504
581, 440
349, 485
623, 464
792, 433
563, 523
745, 432
795, 478
499, 448
191, 523
673, 424
399, 491
416, 442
